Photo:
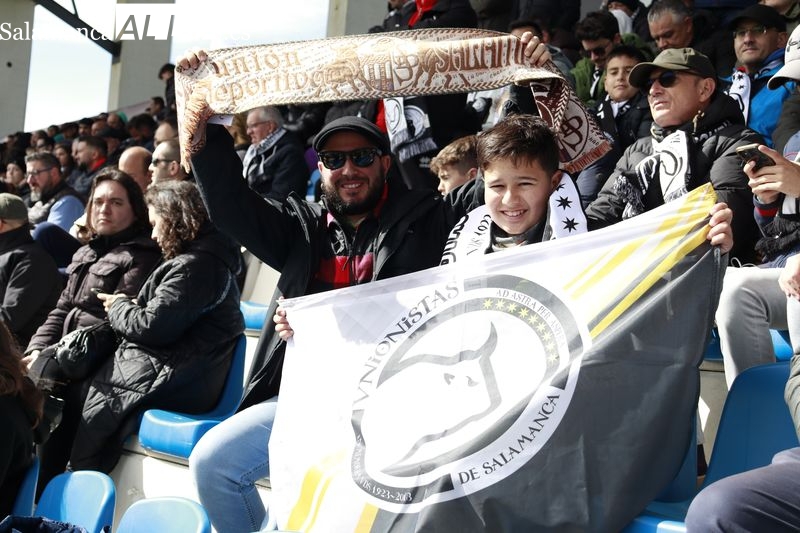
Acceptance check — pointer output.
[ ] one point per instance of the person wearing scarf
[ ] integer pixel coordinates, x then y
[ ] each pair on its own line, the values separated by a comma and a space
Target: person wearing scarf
696, 130
759, 38
527, 198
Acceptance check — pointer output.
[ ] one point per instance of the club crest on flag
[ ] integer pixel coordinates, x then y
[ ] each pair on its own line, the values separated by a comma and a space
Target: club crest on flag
440, 410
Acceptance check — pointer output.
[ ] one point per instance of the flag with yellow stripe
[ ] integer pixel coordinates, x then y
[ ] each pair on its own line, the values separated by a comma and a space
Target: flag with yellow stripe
549, 387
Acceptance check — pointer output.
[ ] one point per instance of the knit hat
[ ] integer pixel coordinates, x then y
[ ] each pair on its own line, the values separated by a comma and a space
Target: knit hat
12, 207
677, 59
791, 69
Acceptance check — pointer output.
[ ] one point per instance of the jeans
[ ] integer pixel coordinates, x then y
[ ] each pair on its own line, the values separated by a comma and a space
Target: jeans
764, 499
226, 464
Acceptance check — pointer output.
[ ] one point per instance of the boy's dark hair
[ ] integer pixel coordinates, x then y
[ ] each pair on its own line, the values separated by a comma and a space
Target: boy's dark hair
520, 138
597, 25
526, 23
626, 50
460, 153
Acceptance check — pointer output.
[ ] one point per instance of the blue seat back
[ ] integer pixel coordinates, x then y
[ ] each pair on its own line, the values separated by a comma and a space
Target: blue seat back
175, 434
84, 498
232, 391
24, 502
254, 316
755, 423
165, 515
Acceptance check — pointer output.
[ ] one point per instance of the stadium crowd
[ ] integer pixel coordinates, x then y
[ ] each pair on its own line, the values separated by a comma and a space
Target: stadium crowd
90, 232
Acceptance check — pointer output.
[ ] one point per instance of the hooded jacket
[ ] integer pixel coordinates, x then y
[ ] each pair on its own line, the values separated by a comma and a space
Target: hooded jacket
288, 236
714, 135
177, 339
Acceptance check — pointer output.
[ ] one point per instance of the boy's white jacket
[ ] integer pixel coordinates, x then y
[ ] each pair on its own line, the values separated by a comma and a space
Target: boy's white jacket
471, 236
550, 387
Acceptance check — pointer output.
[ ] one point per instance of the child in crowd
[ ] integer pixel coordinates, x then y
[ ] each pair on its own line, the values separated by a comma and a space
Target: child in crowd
527, 198
455, 164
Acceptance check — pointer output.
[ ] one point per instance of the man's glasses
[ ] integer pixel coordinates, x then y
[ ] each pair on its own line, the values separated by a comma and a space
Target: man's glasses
755, 31
598, 51
666, 79
33, 173
362, 157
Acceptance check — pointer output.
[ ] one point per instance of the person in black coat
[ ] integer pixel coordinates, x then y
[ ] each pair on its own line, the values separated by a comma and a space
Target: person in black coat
29, 280
117, 259
177, 335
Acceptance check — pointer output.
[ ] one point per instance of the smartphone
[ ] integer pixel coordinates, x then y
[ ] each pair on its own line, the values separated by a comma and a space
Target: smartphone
750, 152
96, 290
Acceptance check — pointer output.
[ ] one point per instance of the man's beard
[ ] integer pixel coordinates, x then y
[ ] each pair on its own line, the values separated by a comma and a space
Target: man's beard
36, 196
339, 207
83, 167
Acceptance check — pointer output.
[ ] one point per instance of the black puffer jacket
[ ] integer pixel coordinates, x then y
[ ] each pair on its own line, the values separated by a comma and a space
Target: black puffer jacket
717, 134
411, 232
29, 283
177, 342
119, 263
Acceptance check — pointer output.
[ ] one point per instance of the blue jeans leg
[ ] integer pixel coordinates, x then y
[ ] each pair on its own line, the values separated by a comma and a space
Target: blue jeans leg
226, 464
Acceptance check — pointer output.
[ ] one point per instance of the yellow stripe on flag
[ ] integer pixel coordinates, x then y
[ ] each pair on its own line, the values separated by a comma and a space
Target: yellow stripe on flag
367, 519
315, 485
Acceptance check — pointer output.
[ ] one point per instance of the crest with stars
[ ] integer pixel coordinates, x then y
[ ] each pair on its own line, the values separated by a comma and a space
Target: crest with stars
463, 389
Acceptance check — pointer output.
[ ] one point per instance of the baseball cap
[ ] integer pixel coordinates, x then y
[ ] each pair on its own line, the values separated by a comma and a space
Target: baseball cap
677, 59
762, 14
791, 68
12, 207
358, 125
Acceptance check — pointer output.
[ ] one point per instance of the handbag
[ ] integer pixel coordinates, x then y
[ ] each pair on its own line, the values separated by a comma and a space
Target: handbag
80, 352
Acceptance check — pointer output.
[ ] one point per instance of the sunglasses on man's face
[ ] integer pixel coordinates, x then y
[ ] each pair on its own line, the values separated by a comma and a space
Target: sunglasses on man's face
597, 51
666, 79
362, 158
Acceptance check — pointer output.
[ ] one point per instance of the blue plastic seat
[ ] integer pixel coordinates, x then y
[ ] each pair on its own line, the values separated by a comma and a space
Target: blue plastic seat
84, 498
780, 343
165, 515
175, 434
254, 316
24, 502
754, 426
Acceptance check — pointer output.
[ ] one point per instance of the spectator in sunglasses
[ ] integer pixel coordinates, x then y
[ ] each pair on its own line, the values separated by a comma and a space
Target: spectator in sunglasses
696, 130
598, 33
759, 38
368, 227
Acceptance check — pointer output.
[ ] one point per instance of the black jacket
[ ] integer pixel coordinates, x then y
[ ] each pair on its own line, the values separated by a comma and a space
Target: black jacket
276, 171
288, 236
713, 160
119, 263
29, 283
177, 342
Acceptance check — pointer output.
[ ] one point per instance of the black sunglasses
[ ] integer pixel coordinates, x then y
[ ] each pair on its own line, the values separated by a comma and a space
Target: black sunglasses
363, 157
667, 79
599, 51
